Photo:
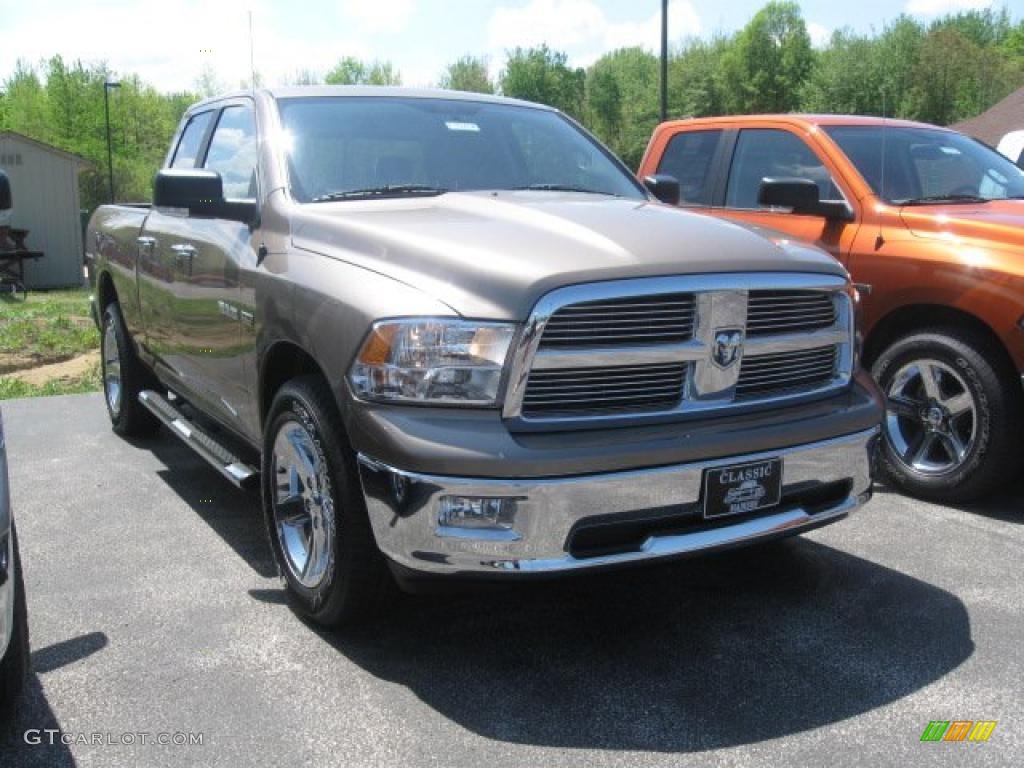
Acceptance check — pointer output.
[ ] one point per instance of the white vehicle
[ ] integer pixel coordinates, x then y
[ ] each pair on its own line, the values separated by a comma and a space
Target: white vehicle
14, 653
1012, 146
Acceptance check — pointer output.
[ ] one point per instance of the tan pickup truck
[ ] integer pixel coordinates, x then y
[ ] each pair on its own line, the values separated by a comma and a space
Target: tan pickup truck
451, 336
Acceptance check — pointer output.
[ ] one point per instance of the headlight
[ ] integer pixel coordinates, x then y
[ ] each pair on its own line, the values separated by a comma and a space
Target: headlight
432, 361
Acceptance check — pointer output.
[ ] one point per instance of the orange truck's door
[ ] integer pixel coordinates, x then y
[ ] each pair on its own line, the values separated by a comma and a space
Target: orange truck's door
762, 153
720, 170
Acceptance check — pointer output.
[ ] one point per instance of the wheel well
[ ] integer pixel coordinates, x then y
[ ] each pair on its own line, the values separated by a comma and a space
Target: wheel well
105, 291
283, 362
918, 317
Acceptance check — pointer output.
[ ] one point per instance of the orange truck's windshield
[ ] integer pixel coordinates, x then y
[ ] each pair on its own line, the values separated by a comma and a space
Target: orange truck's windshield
922, 165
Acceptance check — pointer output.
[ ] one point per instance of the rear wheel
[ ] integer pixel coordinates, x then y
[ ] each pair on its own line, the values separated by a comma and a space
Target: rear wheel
952, 416
124, 376
15, 663
315, 515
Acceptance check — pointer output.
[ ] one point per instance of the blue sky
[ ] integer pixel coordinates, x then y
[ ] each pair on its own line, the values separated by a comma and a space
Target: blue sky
169, 42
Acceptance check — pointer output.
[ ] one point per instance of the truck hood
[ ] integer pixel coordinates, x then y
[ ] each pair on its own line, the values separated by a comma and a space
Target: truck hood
494, 254
999, 223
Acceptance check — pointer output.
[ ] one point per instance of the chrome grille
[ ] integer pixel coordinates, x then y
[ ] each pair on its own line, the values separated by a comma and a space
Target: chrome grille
615, 389
674, 345
771, 375
774, 312
631, 320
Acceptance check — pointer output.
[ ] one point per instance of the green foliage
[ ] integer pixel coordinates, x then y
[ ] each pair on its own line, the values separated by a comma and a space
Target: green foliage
352, 71
49, 326
768, 61
62, 104
622, 100
695, 82
543, 75
467, 74
11, 387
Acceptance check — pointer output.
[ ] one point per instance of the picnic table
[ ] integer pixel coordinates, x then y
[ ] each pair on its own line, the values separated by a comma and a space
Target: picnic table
12, 264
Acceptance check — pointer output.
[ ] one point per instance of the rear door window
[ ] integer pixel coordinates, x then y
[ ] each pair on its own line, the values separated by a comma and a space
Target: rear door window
191, 141
689, 157
764, 153
232, 152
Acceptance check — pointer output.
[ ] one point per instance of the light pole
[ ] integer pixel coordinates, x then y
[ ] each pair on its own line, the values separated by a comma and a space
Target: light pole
110, 152
664, 60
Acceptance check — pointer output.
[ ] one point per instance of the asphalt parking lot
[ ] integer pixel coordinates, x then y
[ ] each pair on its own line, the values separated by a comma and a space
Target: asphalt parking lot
155, 609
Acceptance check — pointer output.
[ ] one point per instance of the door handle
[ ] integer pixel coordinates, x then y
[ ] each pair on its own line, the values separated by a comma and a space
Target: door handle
185, 251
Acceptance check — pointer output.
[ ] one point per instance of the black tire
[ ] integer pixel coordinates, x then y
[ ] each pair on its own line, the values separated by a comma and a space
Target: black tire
967, 363
355, 577
14, 666
128, 416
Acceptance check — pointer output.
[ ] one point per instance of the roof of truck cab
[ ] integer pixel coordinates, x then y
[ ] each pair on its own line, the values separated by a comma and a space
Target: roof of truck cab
805, 121
326, 91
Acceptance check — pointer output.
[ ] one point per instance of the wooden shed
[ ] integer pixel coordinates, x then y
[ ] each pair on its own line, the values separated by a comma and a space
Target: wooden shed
44, 186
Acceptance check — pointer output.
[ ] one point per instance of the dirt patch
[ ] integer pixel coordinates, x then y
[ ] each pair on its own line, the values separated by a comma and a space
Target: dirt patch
67, 370
20, 361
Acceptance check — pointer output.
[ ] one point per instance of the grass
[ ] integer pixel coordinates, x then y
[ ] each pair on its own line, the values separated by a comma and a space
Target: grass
48, 327
11, 387
51, 326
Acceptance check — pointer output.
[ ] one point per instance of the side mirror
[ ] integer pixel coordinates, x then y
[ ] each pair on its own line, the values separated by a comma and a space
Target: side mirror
201, 192
663, 187
803, 197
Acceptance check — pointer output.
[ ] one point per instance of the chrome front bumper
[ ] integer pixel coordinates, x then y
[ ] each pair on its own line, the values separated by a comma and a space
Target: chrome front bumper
404, 511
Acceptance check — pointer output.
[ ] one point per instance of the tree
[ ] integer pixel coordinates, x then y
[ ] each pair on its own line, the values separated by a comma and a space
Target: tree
897, 51
352, 71
467, 74
622, 101
305, 77
544, 76
695, 83
208, 84
849, 77
954, 78
767, 64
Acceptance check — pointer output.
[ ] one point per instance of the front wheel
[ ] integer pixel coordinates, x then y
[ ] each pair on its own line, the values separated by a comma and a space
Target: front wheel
124, 376
316, 519
952, 419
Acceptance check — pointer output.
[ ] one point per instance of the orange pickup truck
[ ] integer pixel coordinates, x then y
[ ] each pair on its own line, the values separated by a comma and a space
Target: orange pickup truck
930, 224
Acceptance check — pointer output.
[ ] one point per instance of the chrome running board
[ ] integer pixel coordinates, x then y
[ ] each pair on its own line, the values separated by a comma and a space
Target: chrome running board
216, 455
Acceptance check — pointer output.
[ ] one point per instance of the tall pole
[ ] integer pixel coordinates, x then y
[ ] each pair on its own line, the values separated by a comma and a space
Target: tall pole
110, 151
664, 60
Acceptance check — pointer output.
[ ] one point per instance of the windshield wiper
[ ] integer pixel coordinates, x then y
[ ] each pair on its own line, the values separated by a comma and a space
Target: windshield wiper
562, 188
930, 199
388, 190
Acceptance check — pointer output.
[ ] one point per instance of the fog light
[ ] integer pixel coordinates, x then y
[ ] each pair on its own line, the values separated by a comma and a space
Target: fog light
477, 512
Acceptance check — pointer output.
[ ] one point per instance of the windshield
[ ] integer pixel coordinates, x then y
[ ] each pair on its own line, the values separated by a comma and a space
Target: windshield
924, 165
352, 147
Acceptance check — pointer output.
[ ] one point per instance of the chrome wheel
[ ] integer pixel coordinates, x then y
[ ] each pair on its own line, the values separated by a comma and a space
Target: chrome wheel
111, 368
931, 417
303, 505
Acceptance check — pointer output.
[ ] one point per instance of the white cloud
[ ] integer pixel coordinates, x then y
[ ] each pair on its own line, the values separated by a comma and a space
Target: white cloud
581, 28
819, 33
389, 16
164, 43
939, 7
